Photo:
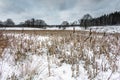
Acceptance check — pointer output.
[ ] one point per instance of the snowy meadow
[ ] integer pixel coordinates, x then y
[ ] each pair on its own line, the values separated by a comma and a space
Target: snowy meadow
59, 55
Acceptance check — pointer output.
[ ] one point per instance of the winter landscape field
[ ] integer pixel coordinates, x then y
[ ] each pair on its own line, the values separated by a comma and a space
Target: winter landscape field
59, 39
60, 54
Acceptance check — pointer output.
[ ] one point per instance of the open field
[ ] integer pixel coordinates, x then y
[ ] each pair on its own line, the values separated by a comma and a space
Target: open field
59, 55
56, 32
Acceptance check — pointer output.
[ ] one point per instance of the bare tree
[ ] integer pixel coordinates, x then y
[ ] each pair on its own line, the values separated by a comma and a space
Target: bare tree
9, 22
85, 21
65, 24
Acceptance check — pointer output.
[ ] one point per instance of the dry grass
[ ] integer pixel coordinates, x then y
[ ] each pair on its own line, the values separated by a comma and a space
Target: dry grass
3, 43
83, 46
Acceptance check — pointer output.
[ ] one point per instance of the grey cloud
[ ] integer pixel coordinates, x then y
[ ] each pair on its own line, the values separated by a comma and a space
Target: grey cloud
67, 4
15, 6
55, 11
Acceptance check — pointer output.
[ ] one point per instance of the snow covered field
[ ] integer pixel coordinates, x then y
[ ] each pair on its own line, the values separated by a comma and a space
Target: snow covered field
108, 29
71, 57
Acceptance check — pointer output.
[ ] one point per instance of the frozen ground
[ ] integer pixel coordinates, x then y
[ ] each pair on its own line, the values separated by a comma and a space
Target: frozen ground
35, 57
108, 29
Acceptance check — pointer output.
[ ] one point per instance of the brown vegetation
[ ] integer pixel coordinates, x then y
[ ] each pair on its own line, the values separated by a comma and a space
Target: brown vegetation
83, 46
3, 43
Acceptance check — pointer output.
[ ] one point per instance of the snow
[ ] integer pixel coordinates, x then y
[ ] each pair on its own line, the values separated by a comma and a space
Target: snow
19, 28
107, 29
27, 28
33, 64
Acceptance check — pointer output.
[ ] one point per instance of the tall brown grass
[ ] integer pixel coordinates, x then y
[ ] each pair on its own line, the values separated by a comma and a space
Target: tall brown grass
70, 47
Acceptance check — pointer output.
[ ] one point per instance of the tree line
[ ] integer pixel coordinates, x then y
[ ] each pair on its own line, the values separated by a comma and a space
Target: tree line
37, 23
28, 23
104, 20
86, 21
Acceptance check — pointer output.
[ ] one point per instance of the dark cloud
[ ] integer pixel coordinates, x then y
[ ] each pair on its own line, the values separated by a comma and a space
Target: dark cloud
55, 11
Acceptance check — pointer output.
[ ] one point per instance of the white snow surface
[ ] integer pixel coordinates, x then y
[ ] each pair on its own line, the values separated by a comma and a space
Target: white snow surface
108, 29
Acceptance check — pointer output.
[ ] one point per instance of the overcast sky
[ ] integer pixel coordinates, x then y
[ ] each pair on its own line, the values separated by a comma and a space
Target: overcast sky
55, 11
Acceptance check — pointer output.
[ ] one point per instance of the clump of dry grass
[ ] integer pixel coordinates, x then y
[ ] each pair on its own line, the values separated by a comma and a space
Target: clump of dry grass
3, 43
